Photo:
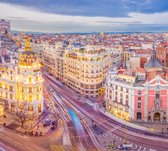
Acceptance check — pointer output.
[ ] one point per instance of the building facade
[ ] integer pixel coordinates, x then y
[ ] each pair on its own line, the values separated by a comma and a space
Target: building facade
85, 70
139, 95
21, 84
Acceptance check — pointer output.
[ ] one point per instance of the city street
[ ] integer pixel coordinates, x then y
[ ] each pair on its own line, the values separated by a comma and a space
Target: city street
71, 132
138, 138
78, 137
83, 75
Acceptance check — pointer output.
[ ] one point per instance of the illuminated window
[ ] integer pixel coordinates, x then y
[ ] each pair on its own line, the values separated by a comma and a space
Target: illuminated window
39, 108
30, 108
30, 98
22, 89
21, 106
30, 79
38, 88
36, 78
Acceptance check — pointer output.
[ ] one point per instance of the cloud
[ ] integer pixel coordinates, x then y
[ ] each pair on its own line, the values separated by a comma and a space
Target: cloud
107, 8
30, 19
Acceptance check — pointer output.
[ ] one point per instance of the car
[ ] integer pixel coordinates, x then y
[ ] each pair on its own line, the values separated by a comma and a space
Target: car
125, 147
120, 147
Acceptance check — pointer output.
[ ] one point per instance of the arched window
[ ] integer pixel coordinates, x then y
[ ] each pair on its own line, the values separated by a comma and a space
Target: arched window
139, 116
156, 117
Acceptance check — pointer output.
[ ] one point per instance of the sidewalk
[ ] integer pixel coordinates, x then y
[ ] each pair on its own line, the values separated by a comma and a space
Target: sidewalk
4, 147
35, 125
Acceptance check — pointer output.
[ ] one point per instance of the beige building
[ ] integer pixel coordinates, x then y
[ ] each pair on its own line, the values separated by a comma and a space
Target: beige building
85, 69
53, 59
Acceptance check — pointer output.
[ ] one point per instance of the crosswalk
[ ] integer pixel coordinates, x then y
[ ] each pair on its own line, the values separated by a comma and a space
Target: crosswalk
119, 141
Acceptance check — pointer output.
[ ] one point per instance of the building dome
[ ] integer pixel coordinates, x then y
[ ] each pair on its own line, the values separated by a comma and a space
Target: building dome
154, 62
28, 57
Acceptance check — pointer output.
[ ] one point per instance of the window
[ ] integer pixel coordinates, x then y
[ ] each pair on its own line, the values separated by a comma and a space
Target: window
139, 104
11, 96
30, 98
22, 89
10, 88
38, 89
6, 95
30, 90
139, 116
157, 95
139, 92
127, 102
127, 97
127, 90
139, 98
30, 79
121, 100
23, 96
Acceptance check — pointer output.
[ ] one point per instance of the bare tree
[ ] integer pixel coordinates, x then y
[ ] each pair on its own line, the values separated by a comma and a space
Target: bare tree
23, 115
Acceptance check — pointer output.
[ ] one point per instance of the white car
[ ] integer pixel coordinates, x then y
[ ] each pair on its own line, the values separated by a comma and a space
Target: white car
125, 146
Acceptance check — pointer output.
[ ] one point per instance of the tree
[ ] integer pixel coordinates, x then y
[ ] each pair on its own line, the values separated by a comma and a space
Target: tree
23, 115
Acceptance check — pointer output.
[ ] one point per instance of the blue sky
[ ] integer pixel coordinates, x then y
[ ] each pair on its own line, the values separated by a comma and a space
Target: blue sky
86, 15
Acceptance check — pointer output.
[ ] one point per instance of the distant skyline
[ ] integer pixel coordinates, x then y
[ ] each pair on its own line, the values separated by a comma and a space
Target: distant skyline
86, 15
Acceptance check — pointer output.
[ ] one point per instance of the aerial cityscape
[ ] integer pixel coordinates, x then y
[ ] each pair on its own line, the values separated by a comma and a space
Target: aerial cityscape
83, 76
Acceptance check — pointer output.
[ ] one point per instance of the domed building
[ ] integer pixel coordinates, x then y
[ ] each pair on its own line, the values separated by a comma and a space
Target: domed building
154, 66
21, 84
154, 63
